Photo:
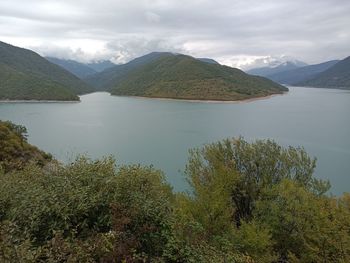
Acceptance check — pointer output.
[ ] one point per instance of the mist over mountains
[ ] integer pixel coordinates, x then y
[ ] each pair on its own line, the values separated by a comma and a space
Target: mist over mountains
26, 75
329, 74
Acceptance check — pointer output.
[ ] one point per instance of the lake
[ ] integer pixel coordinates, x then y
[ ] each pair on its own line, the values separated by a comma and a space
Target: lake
160, 132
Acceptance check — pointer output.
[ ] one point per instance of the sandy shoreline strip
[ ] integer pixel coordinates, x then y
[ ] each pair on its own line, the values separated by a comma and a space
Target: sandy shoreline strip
39, 101
154, 98
209, 101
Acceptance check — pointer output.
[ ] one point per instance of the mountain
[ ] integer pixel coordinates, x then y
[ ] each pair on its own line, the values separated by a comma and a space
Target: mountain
337, 76
108, 78
208, 60
81, 70
184, 77
291, 77
268, 71
78, 69
269, 62
25, 75
100, 66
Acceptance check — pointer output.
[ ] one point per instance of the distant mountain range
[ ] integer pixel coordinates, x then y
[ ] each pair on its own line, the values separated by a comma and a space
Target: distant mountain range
271, 70
168, 75
337, 76
26, 75
86, 70
79, 69
297, 75
100, 66
330, 74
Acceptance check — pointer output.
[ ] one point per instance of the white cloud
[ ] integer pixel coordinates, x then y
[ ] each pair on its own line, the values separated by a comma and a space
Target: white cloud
232, 32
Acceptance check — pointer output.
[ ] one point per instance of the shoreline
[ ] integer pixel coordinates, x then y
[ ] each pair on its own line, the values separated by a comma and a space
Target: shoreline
208, 101
155, 98
40, 101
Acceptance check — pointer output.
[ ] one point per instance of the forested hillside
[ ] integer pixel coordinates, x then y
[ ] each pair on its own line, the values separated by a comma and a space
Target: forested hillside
184, 77
26, 75
337, 76
110, 77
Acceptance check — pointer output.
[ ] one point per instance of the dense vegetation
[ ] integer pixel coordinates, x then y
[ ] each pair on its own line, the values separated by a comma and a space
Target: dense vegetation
26, 75
110, 77
184, 77
337, 76
21, 86
15, 151
248, 202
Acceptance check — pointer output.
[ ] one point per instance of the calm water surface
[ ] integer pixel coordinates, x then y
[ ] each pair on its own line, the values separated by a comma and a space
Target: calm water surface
160, 132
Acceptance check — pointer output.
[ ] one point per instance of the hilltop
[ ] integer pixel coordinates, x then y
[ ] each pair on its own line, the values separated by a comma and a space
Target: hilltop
184, 77
108, 78
168, 75
25, 75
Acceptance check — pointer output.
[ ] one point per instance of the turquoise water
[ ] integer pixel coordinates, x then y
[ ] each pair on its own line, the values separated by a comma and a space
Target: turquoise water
160, 132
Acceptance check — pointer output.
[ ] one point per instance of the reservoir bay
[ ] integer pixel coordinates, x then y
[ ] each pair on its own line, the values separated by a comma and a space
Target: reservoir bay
160, 132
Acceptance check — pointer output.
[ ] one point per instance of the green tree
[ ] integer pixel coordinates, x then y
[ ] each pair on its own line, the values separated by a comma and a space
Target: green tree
15, 151
254, 166
304, 226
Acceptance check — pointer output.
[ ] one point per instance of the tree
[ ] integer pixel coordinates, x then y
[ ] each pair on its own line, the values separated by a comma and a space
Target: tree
304, 227
252, 167
15, 151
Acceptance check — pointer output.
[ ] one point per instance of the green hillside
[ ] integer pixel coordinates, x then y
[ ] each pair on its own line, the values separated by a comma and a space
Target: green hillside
26, 75
16, 85
15, 151
184, 77
337, 76
110, 77
78, 69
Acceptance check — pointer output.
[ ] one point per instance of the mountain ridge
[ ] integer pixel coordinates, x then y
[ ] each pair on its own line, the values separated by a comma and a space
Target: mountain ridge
337, 76
26, 75
294, 76
268, 71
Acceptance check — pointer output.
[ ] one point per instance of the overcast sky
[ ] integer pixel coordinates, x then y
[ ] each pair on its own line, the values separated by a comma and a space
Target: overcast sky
234, 32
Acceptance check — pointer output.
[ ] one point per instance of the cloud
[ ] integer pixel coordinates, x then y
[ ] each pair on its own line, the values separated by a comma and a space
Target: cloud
232, 32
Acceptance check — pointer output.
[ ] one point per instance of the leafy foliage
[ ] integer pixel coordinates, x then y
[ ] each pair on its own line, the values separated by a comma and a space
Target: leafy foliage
265, 202
249, 202
15, 151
